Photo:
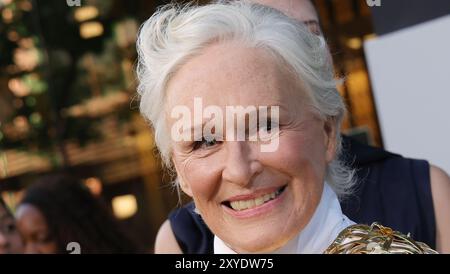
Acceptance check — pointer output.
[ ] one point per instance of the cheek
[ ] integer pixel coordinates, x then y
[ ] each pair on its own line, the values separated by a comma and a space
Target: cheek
299, 155
203, 175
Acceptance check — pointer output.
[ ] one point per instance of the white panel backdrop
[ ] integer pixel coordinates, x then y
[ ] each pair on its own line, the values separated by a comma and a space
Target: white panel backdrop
410, 75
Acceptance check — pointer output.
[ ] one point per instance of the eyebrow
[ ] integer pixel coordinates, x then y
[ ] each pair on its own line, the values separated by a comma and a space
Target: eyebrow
196, 128
199, 127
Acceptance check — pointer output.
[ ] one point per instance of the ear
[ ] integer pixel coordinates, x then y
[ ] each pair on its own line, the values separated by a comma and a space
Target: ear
184, 186
330, 130
180, 182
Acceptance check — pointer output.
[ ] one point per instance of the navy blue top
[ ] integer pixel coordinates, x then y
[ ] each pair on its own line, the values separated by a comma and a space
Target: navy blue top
391, 190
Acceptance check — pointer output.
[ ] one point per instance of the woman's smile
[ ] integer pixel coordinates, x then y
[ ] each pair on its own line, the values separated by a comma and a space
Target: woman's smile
255, 204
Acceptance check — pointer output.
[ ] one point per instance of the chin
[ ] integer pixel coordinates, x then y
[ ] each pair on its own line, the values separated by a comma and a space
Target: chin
262, 236
263, 242
264, 228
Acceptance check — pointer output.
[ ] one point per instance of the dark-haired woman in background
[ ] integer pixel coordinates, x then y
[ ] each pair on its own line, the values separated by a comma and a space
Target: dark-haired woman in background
58, 210
10, 241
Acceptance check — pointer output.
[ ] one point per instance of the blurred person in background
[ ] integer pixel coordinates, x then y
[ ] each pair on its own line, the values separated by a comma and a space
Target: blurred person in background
58, 210
408, 195
10, 240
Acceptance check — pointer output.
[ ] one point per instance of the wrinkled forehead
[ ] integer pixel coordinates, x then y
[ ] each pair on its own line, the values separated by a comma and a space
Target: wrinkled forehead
233, 74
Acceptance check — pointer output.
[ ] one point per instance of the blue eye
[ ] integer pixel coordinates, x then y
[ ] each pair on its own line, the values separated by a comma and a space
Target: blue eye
204, 143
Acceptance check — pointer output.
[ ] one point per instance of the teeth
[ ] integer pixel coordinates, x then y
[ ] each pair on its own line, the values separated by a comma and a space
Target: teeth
247, 204
241, 204
259, 201
250, 203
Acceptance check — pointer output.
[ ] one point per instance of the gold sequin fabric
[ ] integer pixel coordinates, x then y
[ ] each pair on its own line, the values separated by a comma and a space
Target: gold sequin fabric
375, 239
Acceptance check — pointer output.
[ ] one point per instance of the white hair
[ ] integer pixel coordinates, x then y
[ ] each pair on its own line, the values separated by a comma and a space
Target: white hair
176, 33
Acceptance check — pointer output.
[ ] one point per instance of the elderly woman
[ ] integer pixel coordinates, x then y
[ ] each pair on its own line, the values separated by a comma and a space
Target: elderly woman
277, 189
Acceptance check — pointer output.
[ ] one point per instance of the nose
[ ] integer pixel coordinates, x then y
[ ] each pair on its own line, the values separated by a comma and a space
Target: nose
241, 164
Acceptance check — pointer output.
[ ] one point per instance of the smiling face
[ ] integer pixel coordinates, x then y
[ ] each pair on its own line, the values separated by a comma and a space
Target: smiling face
254, 201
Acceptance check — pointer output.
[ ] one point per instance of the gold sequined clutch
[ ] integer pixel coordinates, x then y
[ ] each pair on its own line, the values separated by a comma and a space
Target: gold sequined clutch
375, 239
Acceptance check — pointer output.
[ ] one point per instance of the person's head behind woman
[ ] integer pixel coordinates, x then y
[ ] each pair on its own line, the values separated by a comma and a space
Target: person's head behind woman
243, 54
10, 241
57, 210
